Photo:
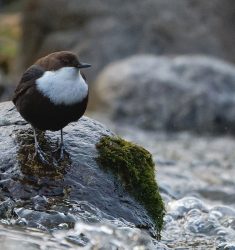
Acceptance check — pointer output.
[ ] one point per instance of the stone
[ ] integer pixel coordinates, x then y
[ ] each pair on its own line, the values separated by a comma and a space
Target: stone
59, 194
193, 93
105, 31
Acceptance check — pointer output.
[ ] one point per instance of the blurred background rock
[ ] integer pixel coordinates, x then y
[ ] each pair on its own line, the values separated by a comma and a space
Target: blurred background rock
102, 32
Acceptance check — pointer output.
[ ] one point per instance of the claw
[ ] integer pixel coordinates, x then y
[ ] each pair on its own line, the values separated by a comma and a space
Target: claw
61, 149
41, 155
61, 152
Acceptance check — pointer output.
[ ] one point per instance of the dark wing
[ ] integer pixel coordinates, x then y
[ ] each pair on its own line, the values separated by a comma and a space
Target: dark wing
27, 81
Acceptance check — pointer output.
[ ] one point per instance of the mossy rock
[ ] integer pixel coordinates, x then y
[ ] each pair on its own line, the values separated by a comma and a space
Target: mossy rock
135, 168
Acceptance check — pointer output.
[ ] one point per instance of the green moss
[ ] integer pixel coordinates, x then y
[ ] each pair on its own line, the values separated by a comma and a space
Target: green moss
135, 167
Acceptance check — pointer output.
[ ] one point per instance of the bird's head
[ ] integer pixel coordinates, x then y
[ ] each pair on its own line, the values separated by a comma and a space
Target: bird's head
61, 59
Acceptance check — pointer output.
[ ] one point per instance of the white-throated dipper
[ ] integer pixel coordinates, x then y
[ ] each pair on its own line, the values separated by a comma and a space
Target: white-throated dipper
51, 94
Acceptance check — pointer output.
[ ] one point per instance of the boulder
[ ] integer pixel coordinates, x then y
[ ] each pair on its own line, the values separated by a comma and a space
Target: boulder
194, 93
105, 31
58, 194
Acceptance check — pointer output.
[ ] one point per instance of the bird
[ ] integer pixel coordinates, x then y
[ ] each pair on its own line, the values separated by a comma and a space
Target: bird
52, 93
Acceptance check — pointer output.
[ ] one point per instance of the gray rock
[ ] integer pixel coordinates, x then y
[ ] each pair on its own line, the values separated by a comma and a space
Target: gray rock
105, 31
60, 194
174, 93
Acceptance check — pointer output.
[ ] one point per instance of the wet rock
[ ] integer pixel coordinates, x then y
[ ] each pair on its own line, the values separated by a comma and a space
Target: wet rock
6, 208
171, 93
59, 194
104, 31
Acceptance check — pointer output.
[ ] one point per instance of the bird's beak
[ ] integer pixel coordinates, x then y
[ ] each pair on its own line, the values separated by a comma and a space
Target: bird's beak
84, 65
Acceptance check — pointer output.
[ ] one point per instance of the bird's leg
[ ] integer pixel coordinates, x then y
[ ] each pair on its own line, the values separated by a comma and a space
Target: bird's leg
38, 150
62, 148
60, 151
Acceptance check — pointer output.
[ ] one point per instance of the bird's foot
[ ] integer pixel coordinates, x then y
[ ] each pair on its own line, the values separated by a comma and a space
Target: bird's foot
41, 155
61, 152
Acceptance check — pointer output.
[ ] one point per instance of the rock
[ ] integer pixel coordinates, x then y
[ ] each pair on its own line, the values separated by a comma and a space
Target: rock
105, 31
194, 93
63, 192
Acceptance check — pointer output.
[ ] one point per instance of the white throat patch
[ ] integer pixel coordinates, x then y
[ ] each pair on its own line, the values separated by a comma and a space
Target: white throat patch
63, 86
